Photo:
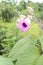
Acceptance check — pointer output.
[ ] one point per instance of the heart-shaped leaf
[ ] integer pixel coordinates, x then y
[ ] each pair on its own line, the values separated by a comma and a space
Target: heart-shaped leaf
25, 51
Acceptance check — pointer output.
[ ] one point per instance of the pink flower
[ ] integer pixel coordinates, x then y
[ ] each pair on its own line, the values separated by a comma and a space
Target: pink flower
24, 24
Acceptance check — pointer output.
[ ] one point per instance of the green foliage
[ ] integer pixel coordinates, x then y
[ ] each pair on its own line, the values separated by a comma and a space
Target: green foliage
40, 60
26, 53
21, 46
7, 14
24, 12
38, 9
41, 41
17, 47
39, 14
7, 35
22, 5
5, 61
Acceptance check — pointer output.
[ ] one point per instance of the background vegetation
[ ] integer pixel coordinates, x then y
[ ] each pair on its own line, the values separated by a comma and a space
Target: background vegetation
17, 46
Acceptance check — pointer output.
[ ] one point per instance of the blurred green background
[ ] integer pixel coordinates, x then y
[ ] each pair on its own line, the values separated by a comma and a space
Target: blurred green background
9, 14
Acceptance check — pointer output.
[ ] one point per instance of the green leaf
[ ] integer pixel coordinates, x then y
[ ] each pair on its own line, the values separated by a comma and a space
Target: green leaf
19, 45
5, 61
40, 60
28, 56
25, 51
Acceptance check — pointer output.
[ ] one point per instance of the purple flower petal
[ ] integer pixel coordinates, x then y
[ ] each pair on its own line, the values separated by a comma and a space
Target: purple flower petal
23, 25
